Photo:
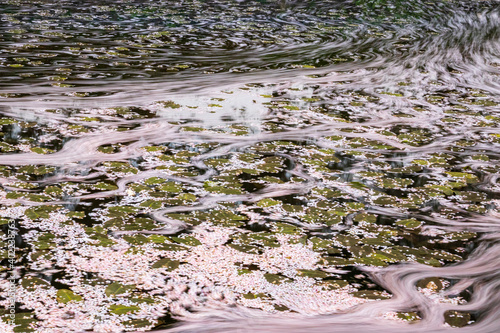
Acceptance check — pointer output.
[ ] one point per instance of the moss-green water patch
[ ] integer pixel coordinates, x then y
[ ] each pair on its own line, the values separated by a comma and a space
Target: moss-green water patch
116, 288
169, 264
119, 309
370, 294
40, 212
66, 296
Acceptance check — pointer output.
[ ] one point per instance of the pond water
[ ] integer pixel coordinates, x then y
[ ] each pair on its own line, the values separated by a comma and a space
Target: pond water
250, 166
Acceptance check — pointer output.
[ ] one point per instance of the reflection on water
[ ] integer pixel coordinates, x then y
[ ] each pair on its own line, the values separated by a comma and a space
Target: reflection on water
250, 166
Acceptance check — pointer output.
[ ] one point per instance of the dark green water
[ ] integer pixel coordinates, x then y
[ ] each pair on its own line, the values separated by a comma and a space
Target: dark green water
251, 166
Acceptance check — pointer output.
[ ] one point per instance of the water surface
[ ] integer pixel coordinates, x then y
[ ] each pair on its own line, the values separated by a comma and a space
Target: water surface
225, 166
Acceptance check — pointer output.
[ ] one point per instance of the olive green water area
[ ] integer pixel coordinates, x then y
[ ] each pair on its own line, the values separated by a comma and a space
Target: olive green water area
264, 166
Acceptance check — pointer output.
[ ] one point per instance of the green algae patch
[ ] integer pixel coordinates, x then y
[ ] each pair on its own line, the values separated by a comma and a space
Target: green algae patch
169, 104
31, 283
40, 212
408, 316
115, 289
457, 318
272, 182
312, 273
66, 296
409, 223
468, 177
186, 240
169, 264
370, 294
119, 309
276, 279
268, 203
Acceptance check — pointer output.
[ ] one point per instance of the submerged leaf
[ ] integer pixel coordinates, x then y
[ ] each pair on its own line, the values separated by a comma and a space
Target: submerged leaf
117, 289
66, 295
